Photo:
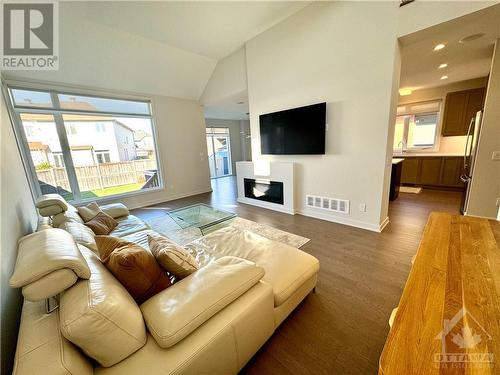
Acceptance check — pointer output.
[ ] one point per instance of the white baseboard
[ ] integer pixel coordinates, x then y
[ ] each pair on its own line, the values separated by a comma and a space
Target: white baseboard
267, 205
383, 224
345, 221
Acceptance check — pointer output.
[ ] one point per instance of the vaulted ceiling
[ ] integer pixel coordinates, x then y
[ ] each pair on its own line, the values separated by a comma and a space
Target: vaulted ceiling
159, 47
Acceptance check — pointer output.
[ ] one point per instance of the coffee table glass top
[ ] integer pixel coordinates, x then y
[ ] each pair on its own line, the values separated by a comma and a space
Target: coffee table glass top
200, 215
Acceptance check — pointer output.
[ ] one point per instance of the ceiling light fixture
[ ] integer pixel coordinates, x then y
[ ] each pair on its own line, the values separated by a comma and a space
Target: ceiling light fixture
440, 46
444, 77
241, 103
470, 38
442, 66
405, 92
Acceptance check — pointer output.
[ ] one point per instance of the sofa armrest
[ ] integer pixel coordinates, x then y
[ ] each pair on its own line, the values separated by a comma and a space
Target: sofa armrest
115, 210
174, 313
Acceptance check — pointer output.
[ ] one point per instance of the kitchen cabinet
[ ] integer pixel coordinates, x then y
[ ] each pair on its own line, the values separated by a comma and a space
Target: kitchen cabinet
460, 108
432, 171
409, 173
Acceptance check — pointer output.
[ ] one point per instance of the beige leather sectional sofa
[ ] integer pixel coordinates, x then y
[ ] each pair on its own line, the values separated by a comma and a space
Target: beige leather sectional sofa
211, 322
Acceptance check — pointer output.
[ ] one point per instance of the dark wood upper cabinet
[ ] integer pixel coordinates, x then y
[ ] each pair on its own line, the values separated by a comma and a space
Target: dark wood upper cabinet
475, 103
460, 107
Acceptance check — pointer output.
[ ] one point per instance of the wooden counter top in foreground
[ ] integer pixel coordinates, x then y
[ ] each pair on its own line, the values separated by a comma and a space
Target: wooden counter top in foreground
448, 321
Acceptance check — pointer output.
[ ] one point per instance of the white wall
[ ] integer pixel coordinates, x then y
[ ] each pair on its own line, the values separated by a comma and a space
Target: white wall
335, 52
344, 53
229, 78
17, 218
485, 188
100, 56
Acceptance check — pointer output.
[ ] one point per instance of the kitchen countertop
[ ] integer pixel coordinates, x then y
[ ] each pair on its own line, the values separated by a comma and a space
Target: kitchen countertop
424, 154
396, 161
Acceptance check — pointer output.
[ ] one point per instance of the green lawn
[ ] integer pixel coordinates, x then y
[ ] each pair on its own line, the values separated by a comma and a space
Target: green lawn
111, 190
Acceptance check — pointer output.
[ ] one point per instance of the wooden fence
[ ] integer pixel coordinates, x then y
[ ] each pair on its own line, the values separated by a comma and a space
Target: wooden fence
100, 176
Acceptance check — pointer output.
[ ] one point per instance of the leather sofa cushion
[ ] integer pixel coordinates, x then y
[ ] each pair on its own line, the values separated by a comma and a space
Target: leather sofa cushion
174, 313
89, 211
100, 316
172, 257
115, 210
41, 349
135, 267
49, 285
287, 268
128, 225
43, 252
51, 204
81, 233
102, 224
70, 215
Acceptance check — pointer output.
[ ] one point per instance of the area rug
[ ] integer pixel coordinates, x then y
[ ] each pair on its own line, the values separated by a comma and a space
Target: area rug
410, 189
168, 227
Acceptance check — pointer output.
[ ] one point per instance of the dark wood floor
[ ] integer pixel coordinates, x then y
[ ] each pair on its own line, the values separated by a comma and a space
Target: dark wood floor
340, 329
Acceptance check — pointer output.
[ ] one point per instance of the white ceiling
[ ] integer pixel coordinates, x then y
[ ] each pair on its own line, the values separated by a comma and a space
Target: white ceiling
158, 47
469, 60
211, 29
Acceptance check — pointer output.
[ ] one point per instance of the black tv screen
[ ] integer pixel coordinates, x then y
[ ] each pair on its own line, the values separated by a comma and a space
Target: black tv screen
296, 131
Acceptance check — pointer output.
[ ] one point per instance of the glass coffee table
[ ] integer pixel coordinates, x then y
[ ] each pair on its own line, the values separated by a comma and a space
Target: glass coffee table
201, 216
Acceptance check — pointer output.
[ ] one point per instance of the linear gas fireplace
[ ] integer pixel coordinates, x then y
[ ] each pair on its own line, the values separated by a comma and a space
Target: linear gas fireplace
264, 190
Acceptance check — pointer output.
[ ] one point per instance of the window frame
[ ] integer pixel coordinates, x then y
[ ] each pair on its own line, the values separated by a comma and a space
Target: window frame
57, 112
423, 149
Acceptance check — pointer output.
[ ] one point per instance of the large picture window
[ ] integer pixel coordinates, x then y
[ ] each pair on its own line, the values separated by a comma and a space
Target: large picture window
85, 147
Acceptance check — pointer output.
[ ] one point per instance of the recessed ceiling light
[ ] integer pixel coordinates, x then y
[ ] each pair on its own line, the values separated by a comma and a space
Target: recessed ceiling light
442, 66
470, 38
241, 103
405, 92
444, 77
440, 46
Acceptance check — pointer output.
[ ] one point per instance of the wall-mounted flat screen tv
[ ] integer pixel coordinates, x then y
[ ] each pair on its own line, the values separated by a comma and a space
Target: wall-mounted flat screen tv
296, 131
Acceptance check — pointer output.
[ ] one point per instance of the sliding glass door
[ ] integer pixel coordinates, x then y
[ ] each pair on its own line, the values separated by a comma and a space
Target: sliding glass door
219, 152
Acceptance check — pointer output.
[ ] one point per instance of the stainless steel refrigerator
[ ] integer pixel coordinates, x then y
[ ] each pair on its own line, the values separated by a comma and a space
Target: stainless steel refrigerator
470, 153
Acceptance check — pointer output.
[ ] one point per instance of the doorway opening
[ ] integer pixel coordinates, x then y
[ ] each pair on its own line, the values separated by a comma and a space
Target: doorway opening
219, 152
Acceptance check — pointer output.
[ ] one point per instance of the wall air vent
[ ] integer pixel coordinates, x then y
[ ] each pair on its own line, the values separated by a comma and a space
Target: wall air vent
330, 204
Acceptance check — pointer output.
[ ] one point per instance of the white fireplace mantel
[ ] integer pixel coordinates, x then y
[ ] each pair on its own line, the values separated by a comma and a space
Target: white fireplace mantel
272, 171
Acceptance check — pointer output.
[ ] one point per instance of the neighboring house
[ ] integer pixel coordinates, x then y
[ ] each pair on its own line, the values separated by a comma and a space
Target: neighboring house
40, 153
92, 139
145, 145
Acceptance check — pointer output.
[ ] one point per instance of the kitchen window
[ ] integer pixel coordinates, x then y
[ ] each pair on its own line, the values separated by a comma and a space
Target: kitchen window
66, 149
417, 127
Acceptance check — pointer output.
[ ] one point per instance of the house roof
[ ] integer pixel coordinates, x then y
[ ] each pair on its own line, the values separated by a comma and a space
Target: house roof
37, 146
41, 117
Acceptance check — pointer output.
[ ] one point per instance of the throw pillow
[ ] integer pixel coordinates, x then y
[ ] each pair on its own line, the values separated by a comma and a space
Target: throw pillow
89, 211
102, 224
172, 257
133, 266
